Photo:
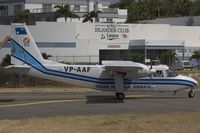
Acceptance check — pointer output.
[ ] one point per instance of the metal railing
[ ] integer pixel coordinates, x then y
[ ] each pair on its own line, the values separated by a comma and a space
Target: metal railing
42, 10
103, 10
109, 10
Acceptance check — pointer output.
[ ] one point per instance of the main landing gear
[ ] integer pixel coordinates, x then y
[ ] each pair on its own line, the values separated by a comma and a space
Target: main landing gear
119, 86
191, 93
120, 96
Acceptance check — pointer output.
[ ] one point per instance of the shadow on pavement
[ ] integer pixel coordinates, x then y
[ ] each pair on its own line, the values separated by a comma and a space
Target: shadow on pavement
6, 100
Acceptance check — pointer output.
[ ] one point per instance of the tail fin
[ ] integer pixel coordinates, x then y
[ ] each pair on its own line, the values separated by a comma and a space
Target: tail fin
23, 45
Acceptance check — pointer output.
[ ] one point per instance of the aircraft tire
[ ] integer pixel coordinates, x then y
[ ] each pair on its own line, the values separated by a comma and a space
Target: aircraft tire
191, 93
120, 96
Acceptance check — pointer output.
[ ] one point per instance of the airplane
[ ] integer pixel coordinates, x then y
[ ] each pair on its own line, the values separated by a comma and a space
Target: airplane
117, 76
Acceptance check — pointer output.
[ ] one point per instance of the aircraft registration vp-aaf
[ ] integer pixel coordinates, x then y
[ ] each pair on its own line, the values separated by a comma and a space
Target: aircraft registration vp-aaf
117, 76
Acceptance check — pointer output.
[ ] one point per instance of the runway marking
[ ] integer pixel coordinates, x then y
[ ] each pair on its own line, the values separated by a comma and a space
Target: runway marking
41, 102
58, 101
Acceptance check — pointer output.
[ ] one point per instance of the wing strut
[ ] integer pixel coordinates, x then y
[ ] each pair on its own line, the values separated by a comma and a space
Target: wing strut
119, 85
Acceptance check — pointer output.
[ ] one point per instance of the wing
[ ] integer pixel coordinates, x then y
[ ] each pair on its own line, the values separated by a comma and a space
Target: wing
130, 70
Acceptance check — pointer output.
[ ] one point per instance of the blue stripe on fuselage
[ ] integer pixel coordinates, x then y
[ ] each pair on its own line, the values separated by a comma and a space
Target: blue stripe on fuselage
27, 58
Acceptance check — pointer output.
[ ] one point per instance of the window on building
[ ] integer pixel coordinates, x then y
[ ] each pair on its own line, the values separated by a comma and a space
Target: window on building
109, 20
4, 11
76, 8
47, 7
185, 50
17, 8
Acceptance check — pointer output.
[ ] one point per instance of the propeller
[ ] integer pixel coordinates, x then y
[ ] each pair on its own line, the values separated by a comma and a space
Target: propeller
151, 70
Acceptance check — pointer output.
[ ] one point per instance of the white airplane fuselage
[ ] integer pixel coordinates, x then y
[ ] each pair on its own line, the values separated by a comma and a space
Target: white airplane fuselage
97, 77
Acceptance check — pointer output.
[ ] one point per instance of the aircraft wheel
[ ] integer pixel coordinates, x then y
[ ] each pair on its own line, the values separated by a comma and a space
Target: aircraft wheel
191, 93
120, 96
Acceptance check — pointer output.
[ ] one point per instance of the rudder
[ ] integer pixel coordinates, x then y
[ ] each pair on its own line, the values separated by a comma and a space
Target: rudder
23, 42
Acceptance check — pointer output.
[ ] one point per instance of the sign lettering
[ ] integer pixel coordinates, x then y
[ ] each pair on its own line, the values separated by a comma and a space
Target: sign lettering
77, 69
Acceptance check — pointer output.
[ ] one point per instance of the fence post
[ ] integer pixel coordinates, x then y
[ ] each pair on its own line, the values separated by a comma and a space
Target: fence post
73, 59
89, 58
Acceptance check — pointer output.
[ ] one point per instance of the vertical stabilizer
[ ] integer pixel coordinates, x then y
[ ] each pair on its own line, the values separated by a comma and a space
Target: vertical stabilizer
23, 44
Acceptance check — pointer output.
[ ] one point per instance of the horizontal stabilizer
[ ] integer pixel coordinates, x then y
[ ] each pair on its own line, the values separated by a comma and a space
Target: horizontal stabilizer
5, 41
18, 68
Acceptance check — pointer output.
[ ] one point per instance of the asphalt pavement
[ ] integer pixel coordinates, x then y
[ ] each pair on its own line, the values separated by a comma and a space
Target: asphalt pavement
20, 106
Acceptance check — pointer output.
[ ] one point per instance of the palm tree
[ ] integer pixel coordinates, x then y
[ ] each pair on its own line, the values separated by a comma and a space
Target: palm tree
64, 11
89, 17
24, 17
137, 57
196, 55
167, 57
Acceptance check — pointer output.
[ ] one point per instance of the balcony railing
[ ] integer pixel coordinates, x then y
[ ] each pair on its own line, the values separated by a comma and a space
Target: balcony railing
109, 10
103, 10
42, 10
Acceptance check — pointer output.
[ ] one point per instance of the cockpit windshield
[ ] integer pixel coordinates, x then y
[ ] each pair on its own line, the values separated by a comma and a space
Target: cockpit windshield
165, 73
171, 73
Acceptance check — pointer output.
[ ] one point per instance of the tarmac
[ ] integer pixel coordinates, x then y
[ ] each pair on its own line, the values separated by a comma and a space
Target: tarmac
31, 105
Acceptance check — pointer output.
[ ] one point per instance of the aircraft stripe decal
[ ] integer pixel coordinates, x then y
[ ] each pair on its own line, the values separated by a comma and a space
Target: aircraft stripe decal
27, 58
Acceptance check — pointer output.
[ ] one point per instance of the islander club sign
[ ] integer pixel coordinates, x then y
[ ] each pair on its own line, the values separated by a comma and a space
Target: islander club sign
112, 31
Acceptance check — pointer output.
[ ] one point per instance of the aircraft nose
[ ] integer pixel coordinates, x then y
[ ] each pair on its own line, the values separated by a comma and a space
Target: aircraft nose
192, 82
195, 83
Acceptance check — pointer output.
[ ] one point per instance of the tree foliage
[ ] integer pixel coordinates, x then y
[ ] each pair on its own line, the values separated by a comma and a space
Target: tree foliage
196, 56
24, 17
64, 11
6, 60
150, 9
89, 17
167, 57
137, 57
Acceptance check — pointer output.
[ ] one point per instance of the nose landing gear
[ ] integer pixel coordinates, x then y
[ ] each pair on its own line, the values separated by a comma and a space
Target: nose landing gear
191, 93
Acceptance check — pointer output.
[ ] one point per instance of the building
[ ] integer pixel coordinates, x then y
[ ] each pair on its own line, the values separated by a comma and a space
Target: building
176, 21
43, 9
93, 42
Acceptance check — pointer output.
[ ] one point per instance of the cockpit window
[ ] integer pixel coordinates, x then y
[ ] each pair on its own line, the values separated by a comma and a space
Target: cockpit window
171, 73
158, 73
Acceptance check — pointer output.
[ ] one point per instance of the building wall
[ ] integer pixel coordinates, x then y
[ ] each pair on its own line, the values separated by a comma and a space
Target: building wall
149, 31
81, 42
33, 6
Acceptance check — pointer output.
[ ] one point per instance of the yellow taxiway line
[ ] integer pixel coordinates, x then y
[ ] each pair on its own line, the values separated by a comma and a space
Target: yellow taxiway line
58, 101
41, 102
